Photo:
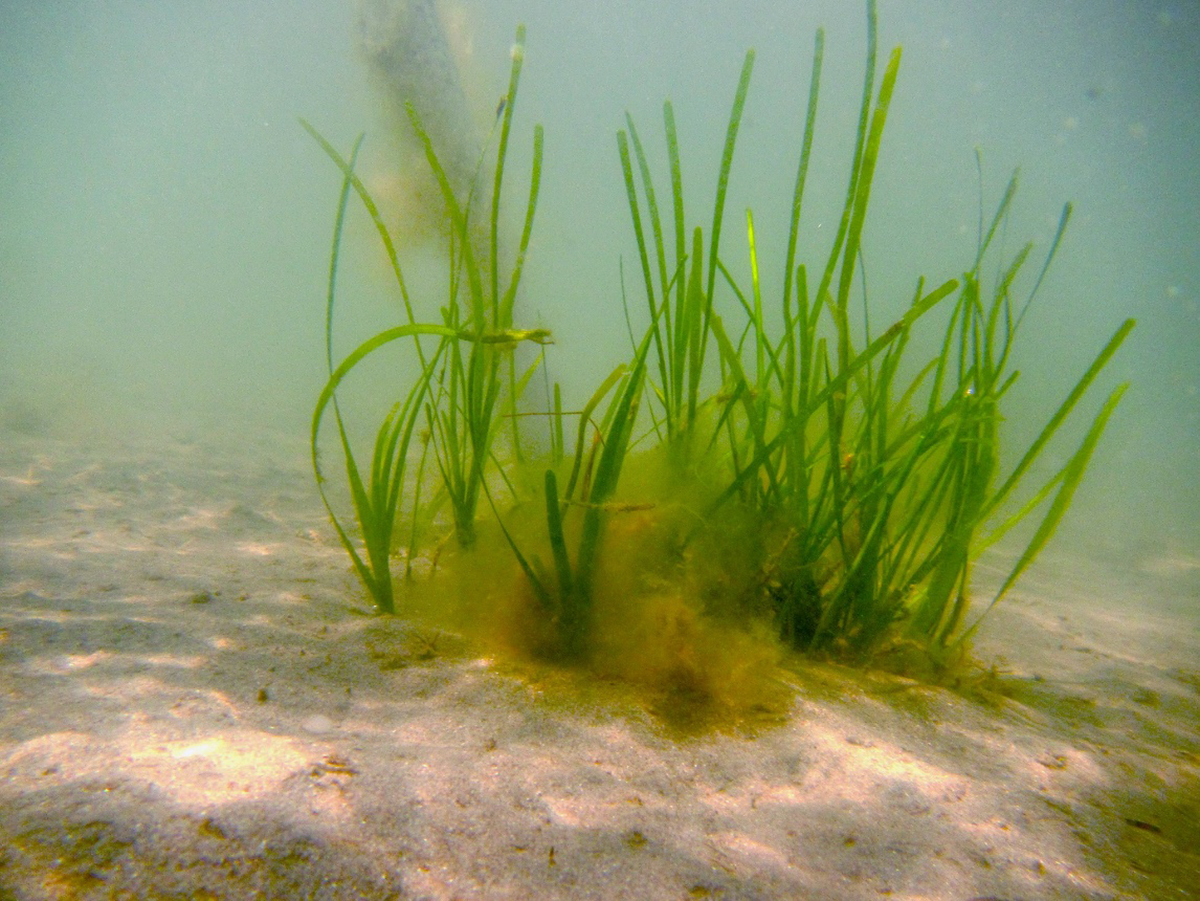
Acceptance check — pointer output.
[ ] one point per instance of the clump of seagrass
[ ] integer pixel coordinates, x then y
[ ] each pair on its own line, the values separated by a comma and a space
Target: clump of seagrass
467, 378
872, 491
791, 473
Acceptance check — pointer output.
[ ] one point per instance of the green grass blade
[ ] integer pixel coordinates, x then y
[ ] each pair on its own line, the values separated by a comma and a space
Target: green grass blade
510, 102
621, 418
676, 204
1001, 214
545, 599
856, 160
656, 228
862, 196
558, 542
535, 180
810, 123
1054, 245
372, 209
789, 266
731, 133
585, 417
459, 221
1060, 415
1068, 480
644, 258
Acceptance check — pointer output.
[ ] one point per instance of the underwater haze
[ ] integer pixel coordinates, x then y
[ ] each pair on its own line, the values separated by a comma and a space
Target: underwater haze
166, 220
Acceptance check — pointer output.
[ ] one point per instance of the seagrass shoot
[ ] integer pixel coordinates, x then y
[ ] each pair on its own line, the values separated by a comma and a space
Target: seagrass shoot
762, 476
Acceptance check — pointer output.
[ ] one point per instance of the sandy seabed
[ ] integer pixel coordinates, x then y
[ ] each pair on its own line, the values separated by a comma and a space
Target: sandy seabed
194, 705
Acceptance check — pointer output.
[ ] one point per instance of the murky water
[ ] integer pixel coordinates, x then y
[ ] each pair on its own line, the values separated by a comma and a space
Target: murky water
166, 231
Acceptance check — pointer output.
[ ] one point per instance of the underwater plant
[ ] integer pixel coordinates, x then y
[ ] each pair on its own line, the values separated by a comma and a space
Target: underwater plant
871, 497
457, 392
791, 472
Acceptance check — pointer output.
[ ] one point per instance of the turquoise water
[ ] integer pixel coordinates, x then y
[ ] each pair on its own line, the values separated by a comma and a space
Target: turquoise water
166, 220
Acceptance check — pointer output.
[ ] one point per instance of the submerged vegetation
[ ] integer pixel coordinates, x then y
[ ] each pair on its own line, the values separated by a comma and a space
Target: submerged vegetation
757, 476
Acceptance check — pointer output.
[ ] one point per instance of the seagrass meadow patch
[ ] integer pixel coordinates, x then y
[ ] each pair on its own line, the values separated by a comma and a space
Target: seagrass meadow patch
762, 476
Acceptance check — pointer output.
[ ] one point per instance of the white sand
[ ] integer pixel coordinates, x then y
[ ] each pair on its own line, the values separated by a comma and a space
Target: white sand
195, 706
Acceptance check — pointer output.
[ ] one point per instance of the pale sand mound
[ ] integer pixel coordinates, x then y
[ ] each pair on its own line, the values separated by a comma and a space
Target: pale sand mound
195, 707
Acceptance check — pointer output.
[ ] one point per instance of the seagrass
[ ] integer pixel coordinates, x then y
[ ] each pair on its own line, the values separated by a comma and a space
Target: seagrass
864, 479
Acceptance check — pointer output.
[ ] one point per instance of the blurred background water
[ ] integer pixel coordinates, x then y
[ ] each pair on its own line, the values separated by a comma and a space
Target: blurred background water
165, 221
